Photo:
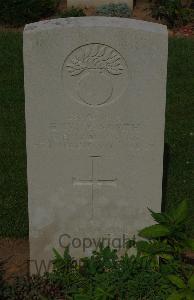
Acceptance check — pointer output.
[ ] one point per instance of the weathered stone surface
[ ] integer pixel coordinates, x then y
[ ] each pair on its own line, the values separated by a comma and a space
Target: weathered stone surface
96, 3
95, 111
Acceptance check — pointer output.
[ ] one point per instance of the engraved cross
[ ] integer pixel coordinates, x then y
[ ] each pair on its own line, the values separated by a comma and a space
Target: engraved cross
92, 182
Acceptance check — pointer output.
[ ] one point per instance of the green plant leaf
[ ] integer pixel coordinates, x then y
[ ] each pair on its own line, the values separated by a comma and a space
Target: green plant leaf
180, 213
57, 254
82, 297
190, 244
177, 281
154, 231
189, 295
191, 282
175, 296
160, 218
165, 256
143, 246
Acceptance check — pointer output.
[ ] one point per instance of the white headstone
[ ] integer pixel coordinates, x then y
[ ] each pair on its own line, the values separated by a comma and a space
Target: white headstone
95, 112
96, 3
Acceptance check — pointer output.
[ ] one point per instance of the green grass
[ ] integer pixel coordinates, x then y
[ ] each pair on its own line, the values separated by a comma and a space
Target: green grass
13, 185
180, 123
179, 131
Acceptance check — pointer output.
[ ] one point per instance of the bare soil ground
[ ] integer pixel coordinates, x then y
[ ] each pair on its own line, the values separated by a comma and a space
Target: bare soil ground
15, 254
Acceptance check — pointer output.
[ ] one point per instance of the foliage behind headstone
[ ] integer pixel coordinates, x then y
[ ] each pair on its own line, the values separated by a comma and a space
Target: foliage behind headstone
114, 10
174, 12
20, 12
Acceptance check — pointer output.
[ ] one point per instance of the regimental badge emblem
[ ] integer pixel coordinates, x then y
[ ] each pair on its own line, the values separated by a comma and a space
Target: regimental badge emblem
95, 74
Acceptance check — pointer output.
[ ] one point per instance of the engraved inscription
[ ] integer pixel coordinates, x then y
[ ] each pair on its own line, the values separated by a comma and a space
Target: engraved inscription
72, 134
93, 182
95, 74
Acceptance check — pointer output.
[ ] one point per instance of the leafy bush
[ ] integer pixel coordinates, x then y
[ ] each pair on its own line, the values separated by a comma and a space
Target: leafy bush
34, 287
20, 12
156, 272
114, 10
72, 12
105, 276
173, 12
165, 245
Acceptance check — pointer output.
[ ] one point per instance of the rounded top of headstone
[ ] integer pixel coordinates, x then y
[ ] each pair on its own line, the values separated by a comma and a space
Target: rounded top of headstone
94, 21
